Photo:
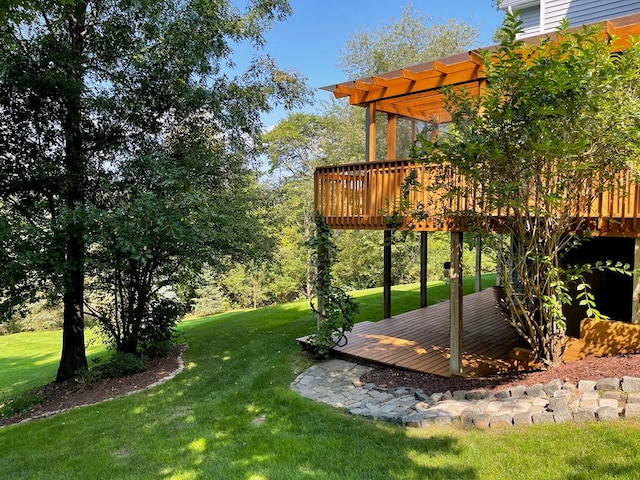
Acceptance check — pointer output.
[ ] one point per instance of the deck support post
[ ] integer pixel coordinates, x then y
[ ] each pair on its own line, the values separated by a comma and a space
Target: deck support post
478, 283
500, 268
635, 303
424, 251
386, 281
321, 314
455, 325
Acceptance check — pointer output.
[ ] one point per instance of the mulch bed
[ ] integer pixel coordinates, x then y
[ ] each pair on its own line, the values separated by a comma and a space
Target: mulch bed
588, 369
65, 395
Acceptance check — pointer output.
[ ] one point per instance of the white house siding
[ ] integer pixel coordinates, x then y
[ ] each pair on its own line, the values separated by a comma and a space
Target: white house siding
543, 16
518, 4
581, 12
530, 20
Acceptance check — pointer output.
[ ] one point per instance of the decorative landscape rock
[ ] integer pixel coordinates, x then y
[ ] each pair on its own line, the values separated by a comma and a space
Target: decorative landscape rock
631, 384
583, 416
476, 394
502, 394
499, 421
607, 414
518, 391
557, 404
536, 390
335, 382
608, 402
633, 397
460, 394
481, 420
543, 417
585, 385
552, 386
522, 419
562, 415
436, 397
608, 384
632, 410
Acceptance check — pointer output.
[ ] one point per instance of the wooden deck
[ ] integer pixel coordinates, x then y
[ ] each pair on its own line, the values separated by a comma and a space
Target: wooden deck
362, 196
419, 340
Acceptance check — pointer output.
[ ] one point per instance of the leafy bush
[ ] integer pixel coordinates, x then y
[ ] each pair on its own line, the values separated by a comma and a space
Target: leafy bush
148, 329
157, 333
21, 404
120, 365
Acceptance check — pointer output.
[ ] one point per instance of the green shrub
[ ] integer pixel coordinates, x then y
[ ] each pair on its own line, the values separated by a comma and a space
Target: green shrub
22, 403
120, 365
157, 335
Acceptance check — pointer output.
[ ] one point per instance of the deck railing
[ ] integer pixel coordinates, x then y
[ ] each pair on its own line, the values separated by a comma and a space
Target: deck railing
366, 195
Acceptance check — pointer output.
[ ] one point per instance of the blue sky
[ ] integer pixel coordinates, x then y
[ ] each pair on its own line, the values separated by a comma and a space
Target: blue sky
311, 39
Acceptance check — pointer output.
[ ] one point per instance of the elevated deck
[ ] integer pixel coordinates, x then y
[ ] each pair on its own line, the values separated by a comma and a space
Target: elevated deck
419, 340
365, 195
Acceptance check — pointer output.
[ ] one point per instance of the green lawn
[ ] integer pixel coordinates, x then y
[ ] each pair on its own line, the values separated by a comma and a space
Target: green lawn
30, 359
231, 415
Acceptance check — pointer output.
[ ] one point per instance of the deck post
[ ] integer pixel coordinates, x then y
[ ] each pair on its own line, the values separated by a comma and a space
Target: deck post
370, 147
392, 122
455, 325
478, 282
635, 303
500, 268
424, 252
386, 281
321, 315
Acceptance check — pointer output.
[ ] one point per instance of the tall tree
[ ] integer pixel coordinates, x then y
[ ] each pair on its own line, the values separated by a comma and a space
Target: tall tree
414, 38
295, 147
87, 87
195, 201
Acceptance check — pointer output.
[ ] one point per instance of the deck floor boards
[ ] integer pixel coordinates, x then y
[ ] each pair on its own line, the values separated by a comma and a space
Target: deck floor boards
419, 340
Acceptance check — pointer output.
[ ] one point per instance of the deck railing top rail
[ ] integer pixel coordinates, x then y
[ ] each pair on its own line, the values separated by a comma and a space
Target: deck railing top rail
368, 195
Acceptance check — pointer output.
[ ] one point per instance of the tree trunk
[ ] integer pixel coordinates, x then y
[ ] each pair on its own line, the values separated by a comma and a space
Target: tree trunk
73, 356
309, 288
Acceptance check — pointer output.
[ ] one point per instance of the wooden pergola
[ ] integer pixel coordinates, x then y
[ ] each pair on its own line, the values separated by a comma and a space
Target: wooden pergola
413, 91
355, 196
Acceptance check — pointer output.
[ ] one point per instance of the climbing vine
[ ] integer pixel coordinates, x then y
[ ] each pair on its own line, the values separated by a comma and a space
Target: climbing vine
334, 309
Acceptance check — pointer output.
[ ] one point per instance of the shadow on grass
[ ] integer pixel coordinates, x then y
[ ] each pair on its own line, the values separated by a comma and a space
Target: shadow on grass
229, 415
234, 416
617, 456
280, 436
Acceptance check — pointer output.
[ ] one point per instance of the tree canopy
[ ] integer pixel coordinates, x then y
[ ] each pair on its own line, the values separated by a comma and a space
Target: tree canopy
119, 120
336, 135
406, 41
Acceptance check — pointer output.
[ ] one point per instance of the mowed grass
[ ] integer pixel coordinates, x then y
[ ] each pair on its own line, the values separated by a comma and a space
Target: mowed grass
232, 415
29, 360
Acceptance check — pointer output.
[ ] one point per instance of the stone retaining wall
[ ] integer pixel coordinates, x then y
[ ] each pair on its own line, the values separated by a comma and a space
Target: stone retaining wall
337, 382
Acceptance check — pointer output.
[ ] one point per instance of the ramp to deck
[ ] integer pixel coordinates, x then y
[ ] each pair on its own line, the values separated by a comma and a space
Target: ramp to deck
419, 340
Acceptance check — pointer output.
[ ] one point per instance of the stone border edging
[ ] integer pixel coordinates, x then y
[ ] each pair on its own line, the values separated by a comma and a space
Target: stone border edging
337, 382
